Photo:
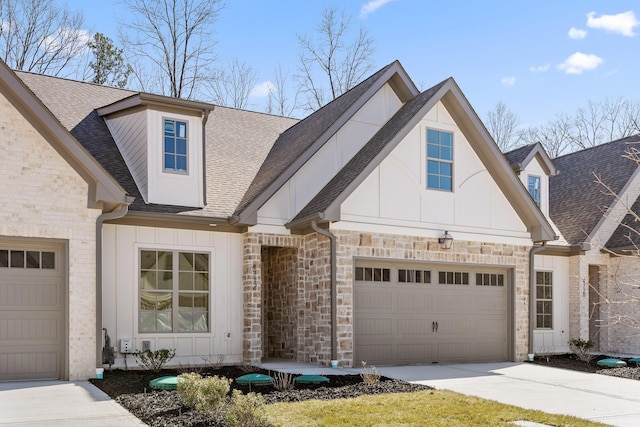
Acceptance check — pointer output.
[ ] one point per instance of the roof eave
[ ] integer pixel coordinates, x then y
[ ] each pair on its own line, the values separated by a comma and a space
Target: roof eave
102, 186
401, 83
152, 100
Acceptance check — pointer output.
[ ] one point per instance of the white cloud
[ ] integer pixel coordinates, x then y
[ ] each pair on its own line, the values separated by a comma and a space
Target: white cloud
540, 68
508, 81
262, 90
577, 34
579, 62
79, 38
372, 6
622, 23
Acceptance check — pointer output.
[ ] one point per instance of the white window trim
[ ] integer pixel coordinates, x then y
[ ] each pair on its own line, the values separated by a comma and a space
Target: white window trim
136, 289
551, 300
174, 171
426, 158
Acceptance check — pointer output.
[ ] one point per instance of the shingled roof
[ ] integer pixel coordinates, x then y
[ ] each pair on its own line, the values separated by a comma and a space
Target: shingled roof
295, 146
517, 156
576, 199
237, 141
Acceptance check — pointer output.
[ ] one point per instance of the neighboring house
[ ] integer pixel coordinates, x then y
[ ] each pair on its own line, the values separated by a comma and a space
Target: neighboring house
595, 255
386, 227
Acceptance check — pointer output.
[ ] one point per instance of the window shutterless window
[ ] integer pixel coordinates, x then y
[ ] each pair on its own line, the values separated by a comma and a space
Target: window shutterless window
175, 146
174, 291
534, 188
439, 160
544, 300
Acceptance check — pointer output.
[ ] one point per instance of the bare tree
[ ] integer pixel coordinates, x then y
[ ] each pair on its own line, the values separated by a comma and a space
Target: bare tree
233, 86
555, 136
279, 100
171, 43
39, 36
332, 61
502, 124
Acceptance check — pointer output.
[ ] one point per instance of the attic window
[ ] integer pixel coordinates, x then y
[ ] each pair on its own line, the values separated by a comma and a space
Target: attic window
534, 188
439, 160
175, 146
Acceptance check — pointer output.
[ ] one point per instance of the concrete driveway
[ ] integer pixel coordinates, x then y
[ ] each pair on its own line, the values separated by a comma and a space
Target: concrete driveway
614, 401
60, 403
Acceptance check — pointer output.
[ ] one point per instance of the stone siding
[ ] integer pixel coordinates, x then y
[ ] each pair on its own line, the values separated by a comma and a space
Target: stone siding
44, 198
310, 254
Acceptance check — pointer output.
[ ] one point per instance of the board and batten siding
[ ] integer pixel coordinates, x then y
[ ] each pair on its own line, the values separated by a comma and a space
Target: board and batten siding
324, 164
130, 134
120, 289
555, 339
395, 196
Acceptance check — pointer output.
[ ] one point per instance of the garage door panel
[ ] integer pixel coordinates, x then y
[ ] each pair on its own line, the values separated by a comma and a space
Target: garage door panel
31, 312
29, 296
431, 321
373, 327
411, 353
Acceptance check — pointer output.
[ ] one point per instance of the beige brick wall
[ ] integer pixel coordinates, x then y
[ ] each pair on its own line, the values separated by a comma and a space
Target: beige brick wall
43, 197
308, 269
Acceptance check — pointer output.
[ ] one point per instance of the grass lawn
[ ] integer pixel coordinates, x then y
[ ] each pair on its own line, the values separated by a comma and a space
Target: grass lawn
424, 408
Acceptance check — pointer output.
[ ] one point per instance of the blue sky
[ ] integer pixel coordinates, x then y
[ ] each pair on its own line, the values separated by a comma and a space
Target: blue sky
538, 57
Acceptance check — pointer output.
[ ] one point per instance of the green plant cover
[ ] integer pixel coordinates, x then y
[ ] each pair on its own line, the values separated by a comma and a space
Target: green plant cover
256, 379
312, 379
612, 363
164, 383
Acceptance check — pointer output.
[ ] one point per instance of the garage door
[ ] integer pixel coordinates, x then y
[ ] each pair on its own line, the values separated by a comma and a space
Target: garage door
31, 312
410, 313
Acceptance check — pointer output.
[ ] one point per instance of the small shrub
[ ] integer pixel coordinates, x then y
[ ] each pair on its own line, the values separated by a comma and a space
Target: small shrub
283, 381
206, 395
581, 349
246, 410
247, 368
154, 360
369, 375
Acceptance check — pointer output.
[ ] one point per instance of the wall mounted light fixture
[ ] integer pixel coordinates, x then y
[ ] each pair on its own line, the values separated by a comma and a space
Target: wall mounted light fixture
446, 240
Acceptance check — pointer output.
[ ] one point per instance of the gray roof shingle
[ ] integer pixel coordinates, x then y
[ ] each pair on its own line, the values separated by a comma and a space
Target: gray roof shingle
517, 156
576, 200
237, 141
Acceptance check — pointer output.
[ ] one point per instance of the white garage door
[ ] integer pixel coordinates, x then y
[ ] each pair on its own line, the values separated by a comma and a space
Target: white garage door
31, 312
414, 313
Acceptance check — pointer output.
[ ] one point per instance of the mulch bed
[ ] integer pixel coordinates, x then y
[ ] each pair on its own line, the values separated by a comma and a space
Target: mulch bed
165, 408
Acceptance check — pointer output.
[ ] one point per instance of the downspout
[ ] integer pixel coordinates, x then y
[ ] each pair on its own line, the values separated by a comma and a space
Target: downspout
334, 308
532, 291
118, 212
205, 118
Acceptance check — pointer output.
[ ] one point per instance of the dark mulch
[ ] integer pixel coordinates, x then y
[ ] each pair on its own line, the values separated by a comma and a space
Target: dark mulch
165, 408
571, 361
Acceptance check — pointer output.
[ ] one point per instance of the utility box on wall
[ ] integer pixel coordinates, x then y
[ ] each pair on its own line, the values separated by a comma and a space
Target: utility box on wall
126, 345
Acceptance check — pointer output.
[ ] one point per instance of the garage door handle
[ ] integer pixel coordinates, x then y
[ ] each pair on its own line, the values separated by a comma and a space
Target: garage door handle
434, 326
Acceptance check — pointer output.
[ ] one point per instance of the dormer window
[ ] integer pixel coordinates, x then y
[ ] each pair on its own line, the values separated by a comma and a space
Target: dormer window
534, 188
175, 146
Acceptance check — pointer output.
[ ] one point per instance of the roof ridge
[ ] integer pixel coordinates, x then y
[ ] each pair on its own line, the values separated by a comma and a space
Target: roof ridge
637, 135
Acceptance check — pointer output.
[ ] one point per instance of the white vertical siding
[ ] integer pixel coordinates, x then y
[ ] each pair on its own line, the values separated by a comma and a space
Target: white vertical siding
130, 134
395, 193
182, 189
534, 168
556, 339
120, 291
316, 173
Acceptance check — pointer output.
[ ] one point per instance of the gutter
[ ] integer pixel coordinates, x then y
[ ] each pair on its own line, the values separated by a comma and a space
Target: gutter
205, 118
532, 292
334, 308
118, 212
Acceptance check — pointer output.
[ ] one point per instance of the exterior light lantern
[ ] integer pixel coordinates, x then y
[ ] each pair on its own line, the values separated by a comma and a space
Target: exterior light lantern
446, 240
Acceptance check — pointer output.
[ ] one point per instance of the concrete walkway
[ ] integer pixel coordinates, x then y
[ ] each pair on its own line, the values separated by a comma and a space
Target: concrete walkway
609, 400
60, 403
